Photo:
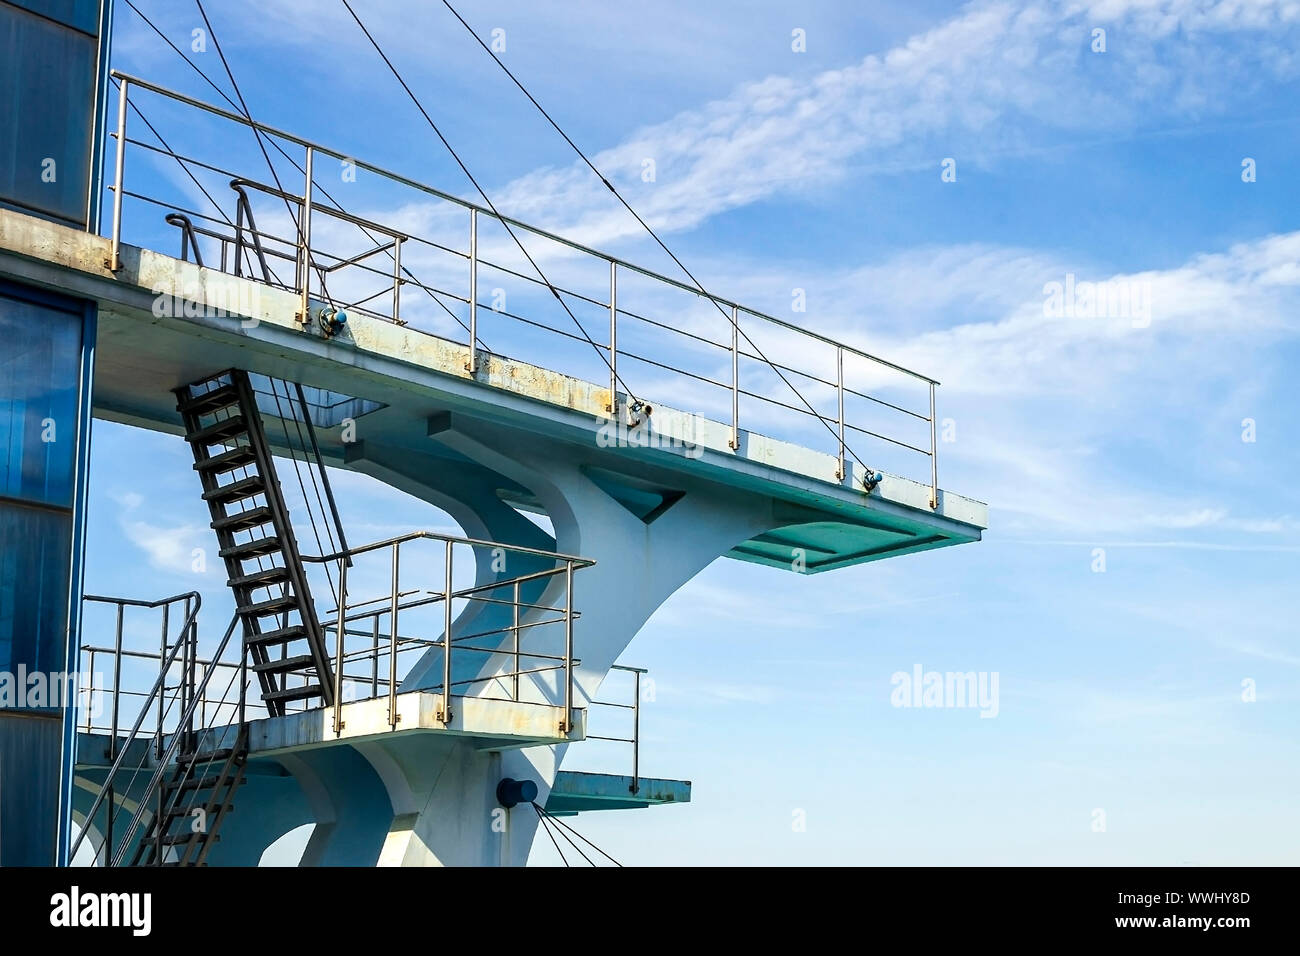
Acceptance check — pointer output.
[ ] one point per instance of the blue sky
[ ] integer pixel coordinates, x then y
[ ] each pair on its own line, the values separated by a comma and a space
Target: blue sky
1120, 690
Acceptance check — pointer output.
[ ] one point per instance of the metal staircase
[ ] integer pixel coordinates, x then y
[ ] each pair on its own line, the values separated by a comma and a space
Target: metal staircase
192, 804
192, 760
264, 568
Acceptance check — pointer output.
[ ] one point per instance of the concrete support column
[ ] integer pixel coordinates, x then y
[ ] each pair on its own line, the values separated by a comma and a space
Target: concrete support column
443, 790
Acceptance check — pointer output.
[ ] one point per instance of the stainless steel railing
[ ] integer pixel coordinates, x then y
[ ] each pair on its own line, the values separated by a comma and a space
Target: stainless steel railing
152, 760
635, 706
372, 655
376, 621
851, 387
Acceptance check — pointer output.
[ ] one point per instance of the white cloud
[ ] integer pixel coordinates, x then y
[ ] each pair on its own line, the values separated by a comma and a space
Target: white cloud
168, 548
971, 87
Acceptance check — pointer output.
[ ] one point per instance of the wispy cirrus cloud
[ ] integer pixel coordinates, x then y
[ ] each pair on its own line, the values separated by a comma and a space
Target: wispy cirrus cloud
993, 78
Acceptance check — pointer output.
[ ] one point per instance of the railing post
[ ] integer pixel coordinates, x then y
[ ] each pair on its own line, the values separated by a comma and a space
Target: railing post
304, 238
839, 378
162, 689
568, 647
735, 378
445, 715
392, 639
397, 280
90, 694
339, 646
636, 734
472, 365
191, 687
374, 656
613, 339
516, 633
117, 683
934, 456
243, 684
115, 257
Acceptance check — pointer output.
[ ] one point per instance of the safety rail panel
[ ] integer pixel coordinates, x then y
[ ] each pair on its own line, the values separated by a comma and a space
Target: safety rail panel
445, 266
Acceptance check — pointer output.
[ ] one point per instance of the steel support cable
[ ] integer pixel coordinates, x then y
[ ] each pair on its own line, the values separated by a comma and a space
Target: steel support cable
484, 196
568, 839
315, 487
645, 225
541, 818
184, 163
293, 162
241, 107
307, 252
560, 823
302, 485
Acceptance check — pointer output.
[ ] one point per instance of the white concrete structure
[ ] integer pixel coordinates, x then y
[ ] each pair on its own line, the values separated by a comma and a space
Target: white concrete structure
482, 446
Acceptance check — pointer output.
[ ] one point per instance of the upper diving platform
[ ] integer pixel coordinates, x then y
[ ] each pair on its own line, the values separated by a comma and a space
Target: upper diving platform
653, 386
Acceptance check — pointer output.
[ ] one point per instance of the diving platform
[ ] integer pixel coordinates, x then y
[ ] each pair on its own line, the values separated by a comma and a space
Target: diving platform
367, 689
577, 792
419, 387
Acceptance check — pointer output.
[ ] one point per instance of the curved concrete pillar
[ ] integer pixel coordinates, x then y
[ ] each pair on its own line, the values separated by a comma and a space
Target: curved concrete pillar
639, 563
442, 790
265, 807
468, 492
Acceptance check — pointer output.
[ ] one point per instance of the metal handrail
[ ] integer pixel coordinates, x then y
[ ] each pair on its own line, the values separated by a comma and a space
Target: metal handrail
165, 760
635, 707
305, 254
454, 539
399, 601
194, 601
483, 210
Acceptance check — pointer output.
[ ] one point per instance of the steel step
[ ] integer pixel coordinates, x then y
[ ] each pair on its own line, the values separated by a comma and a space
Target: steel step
281, 665
243, 520
236, 490
251, 549
218, 431
222, 396
275, 605
180, 839
236, 457
210, 756
282, 635
260, 579
206, 782
293, 693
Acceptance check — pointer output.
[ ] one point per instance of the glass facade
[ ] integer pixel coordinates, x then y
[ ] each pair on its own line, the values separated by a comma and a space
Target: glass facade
52, 85
40, 425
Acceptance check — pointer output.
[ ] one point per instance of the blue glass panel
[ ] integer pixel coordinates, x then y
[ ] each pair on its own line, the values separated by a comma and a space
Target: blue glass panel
82, 14
47, 95
40, 355
34, 552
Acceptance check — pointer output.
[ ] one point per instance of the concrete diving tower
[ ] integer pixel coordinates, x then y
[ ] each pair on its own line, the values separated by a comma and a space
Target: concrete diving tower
651, 496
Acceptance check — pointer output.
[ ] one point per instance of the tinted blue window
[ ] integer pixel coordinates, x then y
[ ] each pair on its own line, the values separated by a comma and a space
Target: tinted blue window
34, 557
47, 91
39, 364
